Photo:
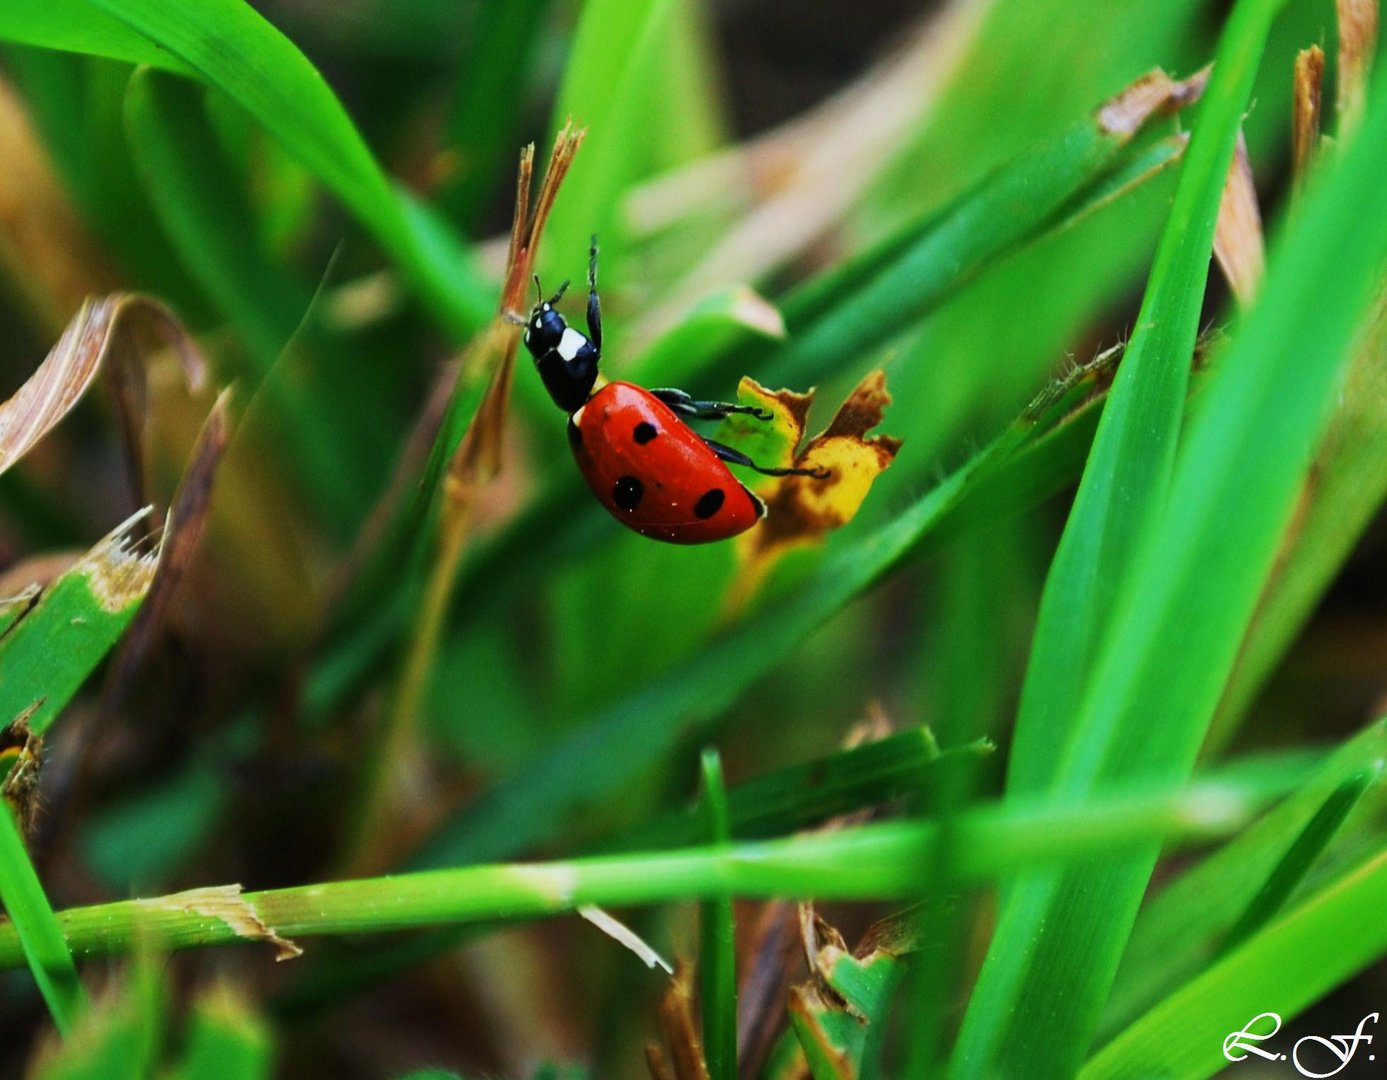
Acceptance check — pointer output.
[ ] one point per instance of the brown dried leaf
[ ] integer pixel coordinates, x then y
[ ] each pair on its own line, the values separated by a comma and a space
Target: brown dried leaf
760, 1013
1357, 44
1153, 93
21, 758
226, 904
1238, 243
655, 1062
1305, 111
474, 463
96, 333
677, 1027
478, 456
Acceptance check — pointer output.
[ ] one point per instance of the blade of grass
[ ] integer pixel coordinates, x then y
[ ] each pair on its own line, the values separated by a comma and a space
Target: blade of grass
227, 44
840, 1017
905, 763
1134, 448
225, 1041
78, 26
717, 939
90, 339
1182, 928
47, 656
863, 862
121, 1036
1300, 856
75, 103
13, 608
1124, 481
498, 54
1005, 211
617, 84
1191, 589
36, 928
448, 502
1284, 968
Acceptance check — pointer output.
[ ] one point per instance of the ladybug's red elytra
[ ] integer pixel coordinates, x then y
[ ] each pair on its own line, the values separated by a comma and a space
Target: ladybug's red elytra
652, 472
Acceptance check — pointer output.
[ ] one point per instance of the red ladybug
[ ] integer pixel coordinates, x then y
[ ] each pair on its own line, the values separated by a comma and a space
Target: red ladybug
652, 472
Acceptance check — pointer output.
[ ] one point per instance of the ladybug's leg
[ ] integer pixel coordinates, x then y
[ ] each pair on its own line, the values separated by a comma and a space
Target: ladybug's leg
736, 457
594, 305
686, 406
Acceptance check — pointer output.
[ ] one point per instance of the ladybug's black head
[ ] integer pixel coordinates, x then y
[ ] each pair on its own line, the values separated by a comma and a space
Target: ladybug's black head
566, 359
544, 329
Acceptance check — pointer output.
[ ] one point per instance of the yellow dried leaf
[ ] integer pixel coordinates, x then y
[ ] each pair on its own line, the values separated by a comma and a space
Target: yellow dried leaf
802, 510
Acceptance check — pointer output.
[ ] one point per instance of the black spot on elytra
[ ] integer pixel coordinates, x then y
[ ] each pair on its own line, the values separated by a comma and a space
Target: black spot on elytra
709, 503
645, 431
627, 492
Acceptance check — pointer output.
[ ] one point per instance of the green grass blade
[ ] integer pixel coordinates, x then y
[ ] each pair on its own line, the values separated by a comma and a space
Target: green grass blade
498, 55
1192, 588
75, 102
617, 84
1134, 450
78, 26
905, 763
121, 1036
717, 940
49, 653
1291, 964
843, 1039
1183, 928
190, 185
862, 306
225, 1041
227, 44
1300, 856
37, 929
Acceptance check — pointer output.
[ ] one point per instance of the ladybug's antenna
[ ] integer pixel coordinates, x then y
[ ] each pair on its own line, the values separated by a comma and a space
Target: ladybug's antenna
563, 288
539, 293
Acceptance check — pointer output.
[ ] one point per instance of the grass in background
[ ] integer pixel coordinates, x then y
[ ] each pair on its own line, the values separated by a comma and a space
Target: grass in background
310, 190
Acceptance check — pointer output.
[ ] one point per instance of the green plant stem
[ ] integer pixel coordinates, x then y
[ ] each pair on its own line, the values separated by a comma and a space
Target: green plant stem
868, 862
373, 816
717, 952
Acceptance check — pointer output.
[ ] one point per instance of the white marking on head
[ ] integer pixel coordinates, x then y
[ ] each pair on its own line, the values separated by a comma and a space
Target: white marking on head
570, 343
577, 417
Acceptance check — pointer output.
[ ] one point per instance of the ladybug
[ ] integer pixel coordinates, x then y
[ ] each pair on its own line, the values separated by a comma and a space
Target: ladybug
652, 472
